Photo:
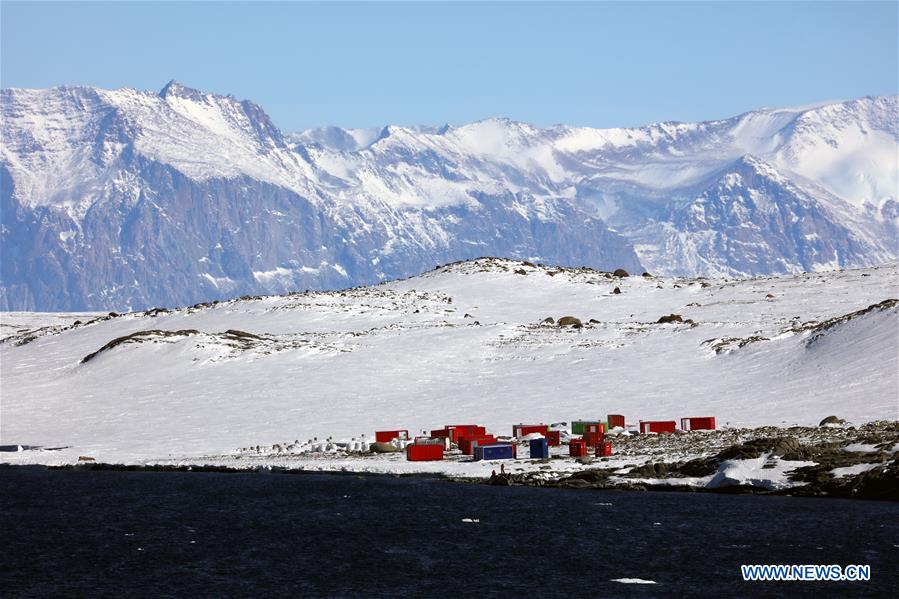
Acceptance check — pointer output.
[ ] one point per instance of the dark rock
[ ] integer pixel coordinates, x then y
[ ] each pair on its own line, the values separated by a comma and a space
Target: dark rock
593, 476
831, 420
575, 483
670, 318
786, 447
699, 467
647, 275
570, 321
653, 470
749, 450
548, 320
138, 337
879, 483
620, 273
521, 271
616, 291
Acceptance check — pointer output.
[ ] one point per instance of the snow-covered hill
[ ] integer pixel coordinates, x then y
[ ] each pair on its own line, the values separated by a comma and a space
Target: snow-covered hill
129, 199
462, 343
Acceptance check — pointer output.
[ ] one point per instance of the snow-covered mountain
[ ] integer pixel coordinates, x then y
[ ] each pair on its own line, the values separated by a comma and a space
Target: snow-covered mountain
129, 199
462, 343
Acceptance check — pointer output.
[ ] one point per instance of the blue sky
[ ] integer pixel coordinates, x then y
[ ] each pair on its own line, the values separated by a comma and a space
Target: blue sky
369, 64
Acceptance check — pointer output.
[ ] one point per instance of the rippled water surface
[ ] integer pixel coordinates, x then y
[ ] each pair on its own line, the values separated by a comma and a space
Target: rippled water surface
81, 533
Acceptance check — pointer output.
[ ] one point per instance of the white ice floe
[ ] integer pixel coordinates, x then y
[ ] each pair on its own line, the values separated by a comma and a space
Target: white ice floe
633, 581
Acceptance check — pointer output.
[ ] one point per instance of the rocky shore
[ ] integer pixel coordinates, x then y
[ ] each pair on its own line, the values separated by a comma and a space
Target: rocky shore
826, 461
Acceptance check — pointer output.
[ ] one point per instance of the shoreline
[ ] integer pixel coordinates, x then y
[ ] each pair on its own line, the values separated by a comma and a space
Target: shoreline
579, 480
842, 461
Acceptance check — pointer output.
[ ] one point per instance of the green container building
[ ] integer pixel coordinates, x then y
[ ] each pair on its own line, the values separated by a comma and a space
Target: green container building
577, 426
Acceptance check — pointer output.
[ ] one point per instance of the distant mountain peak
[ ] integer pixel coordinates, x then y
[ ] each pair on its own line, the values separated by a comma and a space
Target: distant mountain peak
175, 89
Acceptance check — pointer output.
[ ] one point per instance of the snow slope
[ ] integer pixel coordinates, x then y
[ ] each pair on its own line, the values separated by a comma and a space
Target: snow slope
458, 344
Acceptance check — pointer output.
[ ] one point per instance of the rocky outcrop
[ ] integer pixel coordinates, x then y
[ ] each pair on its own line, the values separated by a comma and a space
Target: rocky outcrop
138, 337
870, 472
570, 321
670, 318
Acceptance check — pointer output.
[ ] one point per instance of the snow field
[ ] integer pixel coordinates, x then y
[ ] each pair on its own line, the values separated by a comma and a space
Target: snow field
460, 344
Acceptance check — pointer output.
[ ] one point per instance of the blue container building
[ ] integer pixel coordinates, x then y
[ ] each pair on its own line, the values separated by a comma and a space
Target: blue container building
539, 449
496, 451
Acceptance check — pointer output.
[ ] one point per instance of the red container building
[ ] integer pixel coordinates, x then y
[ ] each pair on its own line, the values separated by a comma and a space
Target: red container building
594, 433
553, 438
467, 444
616, 421
658, 426
604, 449
521, 430
698, 423
424, 453
471, 431
577, 448
388, 436
455, 431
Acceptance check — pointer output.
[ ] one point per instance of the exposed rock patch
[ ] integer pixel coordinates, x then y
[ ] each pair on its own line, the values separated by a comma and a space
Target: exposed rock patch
670, 318
570, 321
138, 337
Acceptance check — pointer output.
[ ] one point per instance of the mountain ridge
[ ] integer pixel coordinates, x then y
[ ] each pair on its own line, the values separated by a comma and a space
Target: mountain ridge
115, 199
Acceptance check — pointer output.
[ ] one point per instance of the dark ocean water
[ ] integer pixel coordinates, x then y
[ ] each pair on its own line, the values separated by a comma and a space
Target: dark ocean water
102, 533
